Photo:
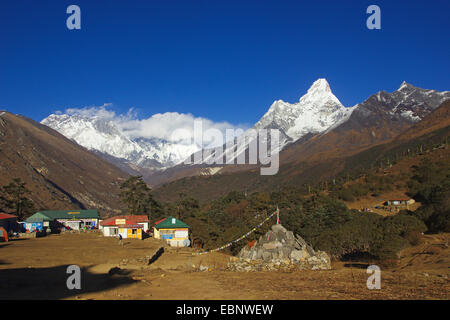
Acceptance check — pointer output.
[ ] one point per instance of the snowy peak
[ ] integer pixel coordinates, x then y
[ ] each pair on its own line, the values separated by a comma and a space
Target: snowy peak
315, 112
404, 85
408, 103
319, 94
107, 137
407, 87
319, 86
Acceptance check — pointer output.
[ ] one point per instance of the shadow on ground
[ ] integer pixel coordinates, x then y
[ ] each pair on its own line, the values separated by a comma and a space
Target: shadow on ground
50, 283
357, 265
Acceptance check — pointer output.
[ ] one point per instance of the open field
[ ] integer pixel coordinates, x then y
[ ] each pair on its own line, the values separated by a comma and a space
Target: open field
35, 268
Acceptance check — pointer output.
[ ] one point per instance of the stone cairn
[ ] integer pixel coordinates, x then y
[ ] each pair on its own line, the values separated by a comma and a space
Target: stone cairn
279, 249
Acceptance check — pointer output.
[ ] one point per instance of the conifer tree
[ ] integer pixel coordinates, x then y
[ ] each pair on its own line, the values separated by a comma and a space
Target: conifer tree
136, 195
14, 196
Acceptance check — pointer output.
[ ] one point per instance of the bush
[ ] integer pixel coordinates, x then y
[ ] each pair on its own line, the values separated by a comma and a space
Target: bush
346, 195
431, 185
414, 238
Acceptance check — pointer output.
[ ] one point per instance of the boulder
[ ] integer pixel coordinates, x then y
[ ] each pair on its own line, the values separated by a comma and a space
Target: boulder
298, 255
267, 255
272, 245
278, 228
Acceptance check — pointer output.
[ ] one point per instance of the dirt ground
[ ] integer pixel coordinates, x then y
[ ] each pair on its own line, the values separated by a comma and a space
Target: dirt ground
36, 268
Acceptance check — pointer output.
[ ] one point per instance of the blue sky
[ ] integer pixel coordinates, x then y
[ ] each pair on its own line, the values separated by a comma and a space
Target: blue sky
222, 60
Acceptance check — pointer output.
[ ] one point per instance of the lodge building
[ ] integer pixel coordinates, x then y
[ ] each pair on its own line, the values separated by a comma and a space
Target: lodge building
174, 231
63, 219
130, 226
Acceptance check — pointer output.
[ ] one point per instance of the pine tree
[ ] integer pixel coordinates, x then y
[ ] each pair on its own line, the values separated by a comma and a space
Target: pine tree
136, 195
14, 197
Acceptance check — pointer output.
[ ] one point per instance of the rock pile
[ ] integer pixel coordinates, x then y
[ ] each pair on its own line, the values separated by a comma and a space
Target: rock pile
279, 249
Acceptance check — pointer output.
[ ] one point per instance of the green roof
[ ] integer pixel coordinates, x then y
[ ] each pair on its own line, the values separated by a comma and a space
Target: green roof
168, 224
38, 217
71, 214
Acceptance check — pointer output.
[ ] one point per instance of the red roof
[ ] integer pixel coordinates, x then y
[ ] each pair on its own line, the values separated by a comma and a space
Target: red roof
129, 220
159, 221
131, 226
4, 216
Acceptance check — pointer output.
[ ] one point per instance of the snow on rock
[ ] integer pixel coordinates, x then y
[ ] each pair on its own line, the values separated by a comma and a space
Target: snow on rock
316, 111
103, 135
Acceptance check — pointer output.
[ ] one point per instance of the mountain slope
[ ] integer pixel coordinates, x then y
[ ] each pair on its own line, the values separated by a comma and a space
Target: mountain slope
319, 128
378, 119
60, 173
315, 128
433, 129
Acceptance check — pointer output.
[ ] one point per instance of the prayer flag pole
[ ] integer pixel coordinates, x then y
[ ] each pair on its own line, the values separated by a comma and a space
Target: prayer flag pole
278, 215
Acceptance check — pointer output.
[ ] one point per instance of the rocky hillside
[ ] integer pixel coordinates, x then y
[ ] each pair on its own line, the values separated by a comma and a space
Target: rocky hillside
60, 173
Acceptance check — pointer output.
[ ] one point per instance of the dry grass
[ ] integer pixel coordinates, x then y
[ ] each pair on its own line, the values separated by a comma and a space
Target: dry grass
35, 269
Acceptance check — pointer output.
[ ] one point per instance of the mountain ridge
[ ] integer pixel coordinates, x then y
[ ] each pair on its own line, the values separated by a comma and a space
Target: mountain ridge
59, 173
319, 165
316, 126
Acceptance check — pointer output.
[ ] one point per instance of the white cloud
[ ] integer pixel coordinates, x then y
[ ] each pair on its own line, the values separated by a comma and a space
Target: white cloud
169, 126
92, 111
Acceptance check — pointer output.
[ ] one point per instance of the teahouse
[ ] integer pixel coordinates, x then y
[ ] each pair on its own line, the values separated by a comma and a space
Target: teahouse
37, 222
174, 231
400, 202
70, 219
131, 226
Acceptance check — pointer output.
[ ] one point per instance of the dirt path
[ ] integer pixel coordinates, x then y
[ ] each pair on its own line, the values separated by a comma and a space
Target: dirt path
36, 269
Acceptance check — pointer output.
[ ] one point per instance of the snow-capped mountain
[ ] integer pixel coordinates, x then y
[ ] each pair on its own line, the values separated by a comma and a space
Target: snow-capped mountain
412, 103
315, 112
408, 104
105, 136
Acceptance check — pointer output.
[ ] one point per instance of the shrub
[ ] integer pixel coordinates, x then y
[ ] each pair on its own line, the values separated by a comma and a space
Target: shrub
414, 238
346, 195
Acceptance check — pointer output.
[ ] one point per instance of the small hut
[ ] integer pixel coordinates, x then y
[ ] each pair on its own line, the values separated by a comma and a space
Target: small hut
174, 231
131, 226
